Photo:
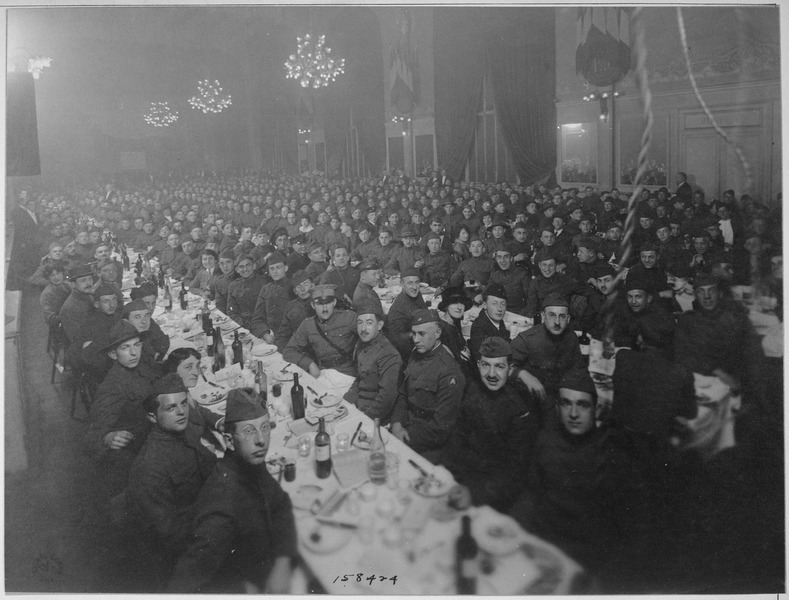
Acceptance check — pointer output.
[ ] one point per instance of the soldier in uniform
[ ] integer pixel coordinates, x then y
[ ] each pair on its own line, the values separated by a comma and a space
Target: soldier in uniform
220, 285
516, 281
345, 277
428, 401
547, 351
79, 305
327, 340
398, 321
272, 299
405, 257
244, 535
378, 364
437, 264
368, 277
491, 446
296, 310
365, 245
385, 249
477, 268
549, 281
242, 294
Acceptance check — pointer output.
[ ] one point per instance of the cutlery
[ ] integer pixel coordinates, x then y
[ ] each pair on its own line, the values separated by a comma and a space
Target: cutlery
424, 473
209, 382
339, 524
355, 433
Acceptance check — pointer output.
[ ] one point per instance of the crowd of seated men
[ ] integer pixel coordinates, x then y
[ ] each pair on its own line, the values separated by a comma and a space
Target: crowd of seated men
677, 488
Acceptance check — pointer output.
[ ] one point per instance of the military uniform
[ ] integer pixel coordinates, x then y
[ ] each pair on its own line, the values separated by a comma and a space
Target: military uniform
203, 280
52, 299
517, 283
242, 298
436, 268
383, 253
118, 407
296, 311
243, 521
403, 258
559, 283
375, 389
164, 482
315, 269
428, 401
398, 322
270, 306
297, 262
473, 269
92, 358
365, 295
219, 290
75, 310
491, 446
345, 279
547, 357
307, 345
364, 250
176, 260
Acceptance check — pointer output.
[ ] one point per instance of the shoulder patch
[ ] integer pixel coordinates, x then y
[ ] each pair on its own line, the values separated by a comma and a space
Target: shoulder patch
452, 381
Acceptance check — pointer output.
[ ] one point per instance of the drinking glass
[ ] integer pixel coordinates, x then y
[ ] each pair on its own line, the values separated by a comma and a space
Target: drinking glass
290, 471
305, 445
343, 442
392, 468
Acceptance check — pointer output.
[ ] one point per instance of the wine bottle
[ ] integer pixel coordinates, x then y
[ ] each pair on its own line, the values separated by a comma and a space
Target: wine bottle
210, 337
182, 297
584, 342
168, 297
322, 451
238, 350
219, 351
160, 282
376, 462
297, 398
138, 265
206, 315
466, 563
261, 381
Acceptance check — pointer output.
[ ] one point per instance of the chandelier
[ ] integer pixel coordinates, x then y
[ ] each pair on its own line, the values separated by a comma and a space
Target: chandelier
21, 60
312, 65
161, 115
210, 97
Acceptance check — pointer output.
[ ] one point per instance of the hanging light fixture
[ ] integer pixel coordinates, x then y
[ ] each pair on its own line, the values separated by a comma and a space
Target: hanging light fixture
210, 97
312, 65
21, 60
161, 115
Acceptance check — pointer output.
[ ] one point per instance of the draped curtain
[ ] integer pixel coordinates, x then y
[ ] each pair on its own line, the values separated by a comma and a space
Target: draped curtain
459, 60
517, 47
521, 63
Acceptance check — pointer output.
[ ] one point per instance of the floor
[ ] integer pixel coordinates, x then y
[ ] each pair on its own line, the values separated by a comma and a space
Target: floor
57, 536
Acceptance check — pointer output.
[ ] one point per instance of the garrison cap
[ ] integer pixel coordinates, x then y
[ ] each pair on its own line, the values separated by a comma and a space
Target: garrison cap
578, 380
495, 347
555, 300
369, 264
424, 315
244, 405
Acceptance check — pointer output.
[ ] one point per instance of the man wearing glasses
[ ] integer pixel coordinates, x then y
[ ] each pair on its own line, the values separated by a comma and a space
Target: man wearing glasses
244, 534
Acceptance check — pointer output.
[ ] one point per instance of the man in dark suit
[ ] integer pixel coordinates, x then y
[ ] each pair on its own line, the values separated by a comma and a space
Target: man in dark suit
25, 251
490, 322
684, 189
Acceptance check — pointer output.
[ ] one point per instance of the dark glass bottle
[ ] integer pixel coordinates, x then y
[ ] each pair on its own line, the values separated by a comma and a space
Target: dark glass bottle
206, 315
168, 297
466, 562
584, 342
322, 451
210, 337
219, 350
297, 398
182, 297
138, 265
160, 281
238, 350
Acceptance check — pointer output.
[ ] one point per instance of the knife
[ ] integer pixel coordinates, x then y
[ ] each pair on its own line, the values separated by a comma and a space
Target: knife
424, 473
339, 524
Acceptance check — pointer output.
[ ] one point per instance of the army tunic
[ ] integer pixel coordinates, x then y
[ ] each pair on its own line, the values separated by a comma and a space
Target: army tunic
473, 269
307, 345
428, 401
242, 297
345, 279
296, 311
270, 306
398, 322
375, 390
219, 289
365, 295
437, 268
516, 282
403, 258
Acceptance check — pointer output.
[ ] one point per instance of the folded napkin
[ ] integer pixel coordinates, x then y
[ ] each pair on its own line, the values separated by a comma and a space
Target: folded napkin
300, 427
334, 379
350, 467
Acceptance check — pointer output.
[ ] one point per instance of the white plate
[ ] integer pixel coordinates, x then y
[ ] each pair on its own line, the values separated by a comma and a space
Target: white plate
207, 394
323, 539
496, 534
305, 495
326, 401
263, 349
431, 489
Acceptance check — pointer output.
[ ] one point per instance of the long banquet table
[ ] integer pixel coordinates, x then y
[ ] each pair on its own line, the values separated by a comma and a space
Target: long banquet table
380, 539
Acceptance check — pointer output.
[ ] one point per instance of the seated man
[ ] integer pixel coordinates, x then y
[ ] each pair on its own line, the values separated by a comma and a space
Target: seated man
118, 425
428, 400
55, 293
406, 257
490, 321
572, 482
156, 343
385, 249
205, 277
516, 281
378, 364
272, 299
477, 268
317, 266
582, 267
169, 470
641, 308
325, 341
242, 293
79, 305
653, 272
548, 282
221, 284
346, 278
148, 293
369, 270
547, 351
491, 446
398, 321
436, 265
85, 351
296, 310
243, 537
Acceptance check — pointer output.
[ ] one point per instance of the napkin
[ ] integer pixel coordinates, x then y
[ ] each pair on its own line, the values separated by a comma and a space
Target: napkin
350, 467
334, 379
300, 427
228, 372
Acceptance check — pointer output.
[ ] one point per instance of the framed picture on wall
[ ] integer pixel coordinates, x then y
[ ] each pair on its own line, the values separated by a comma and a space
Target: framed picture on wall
630, 131
578, 145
